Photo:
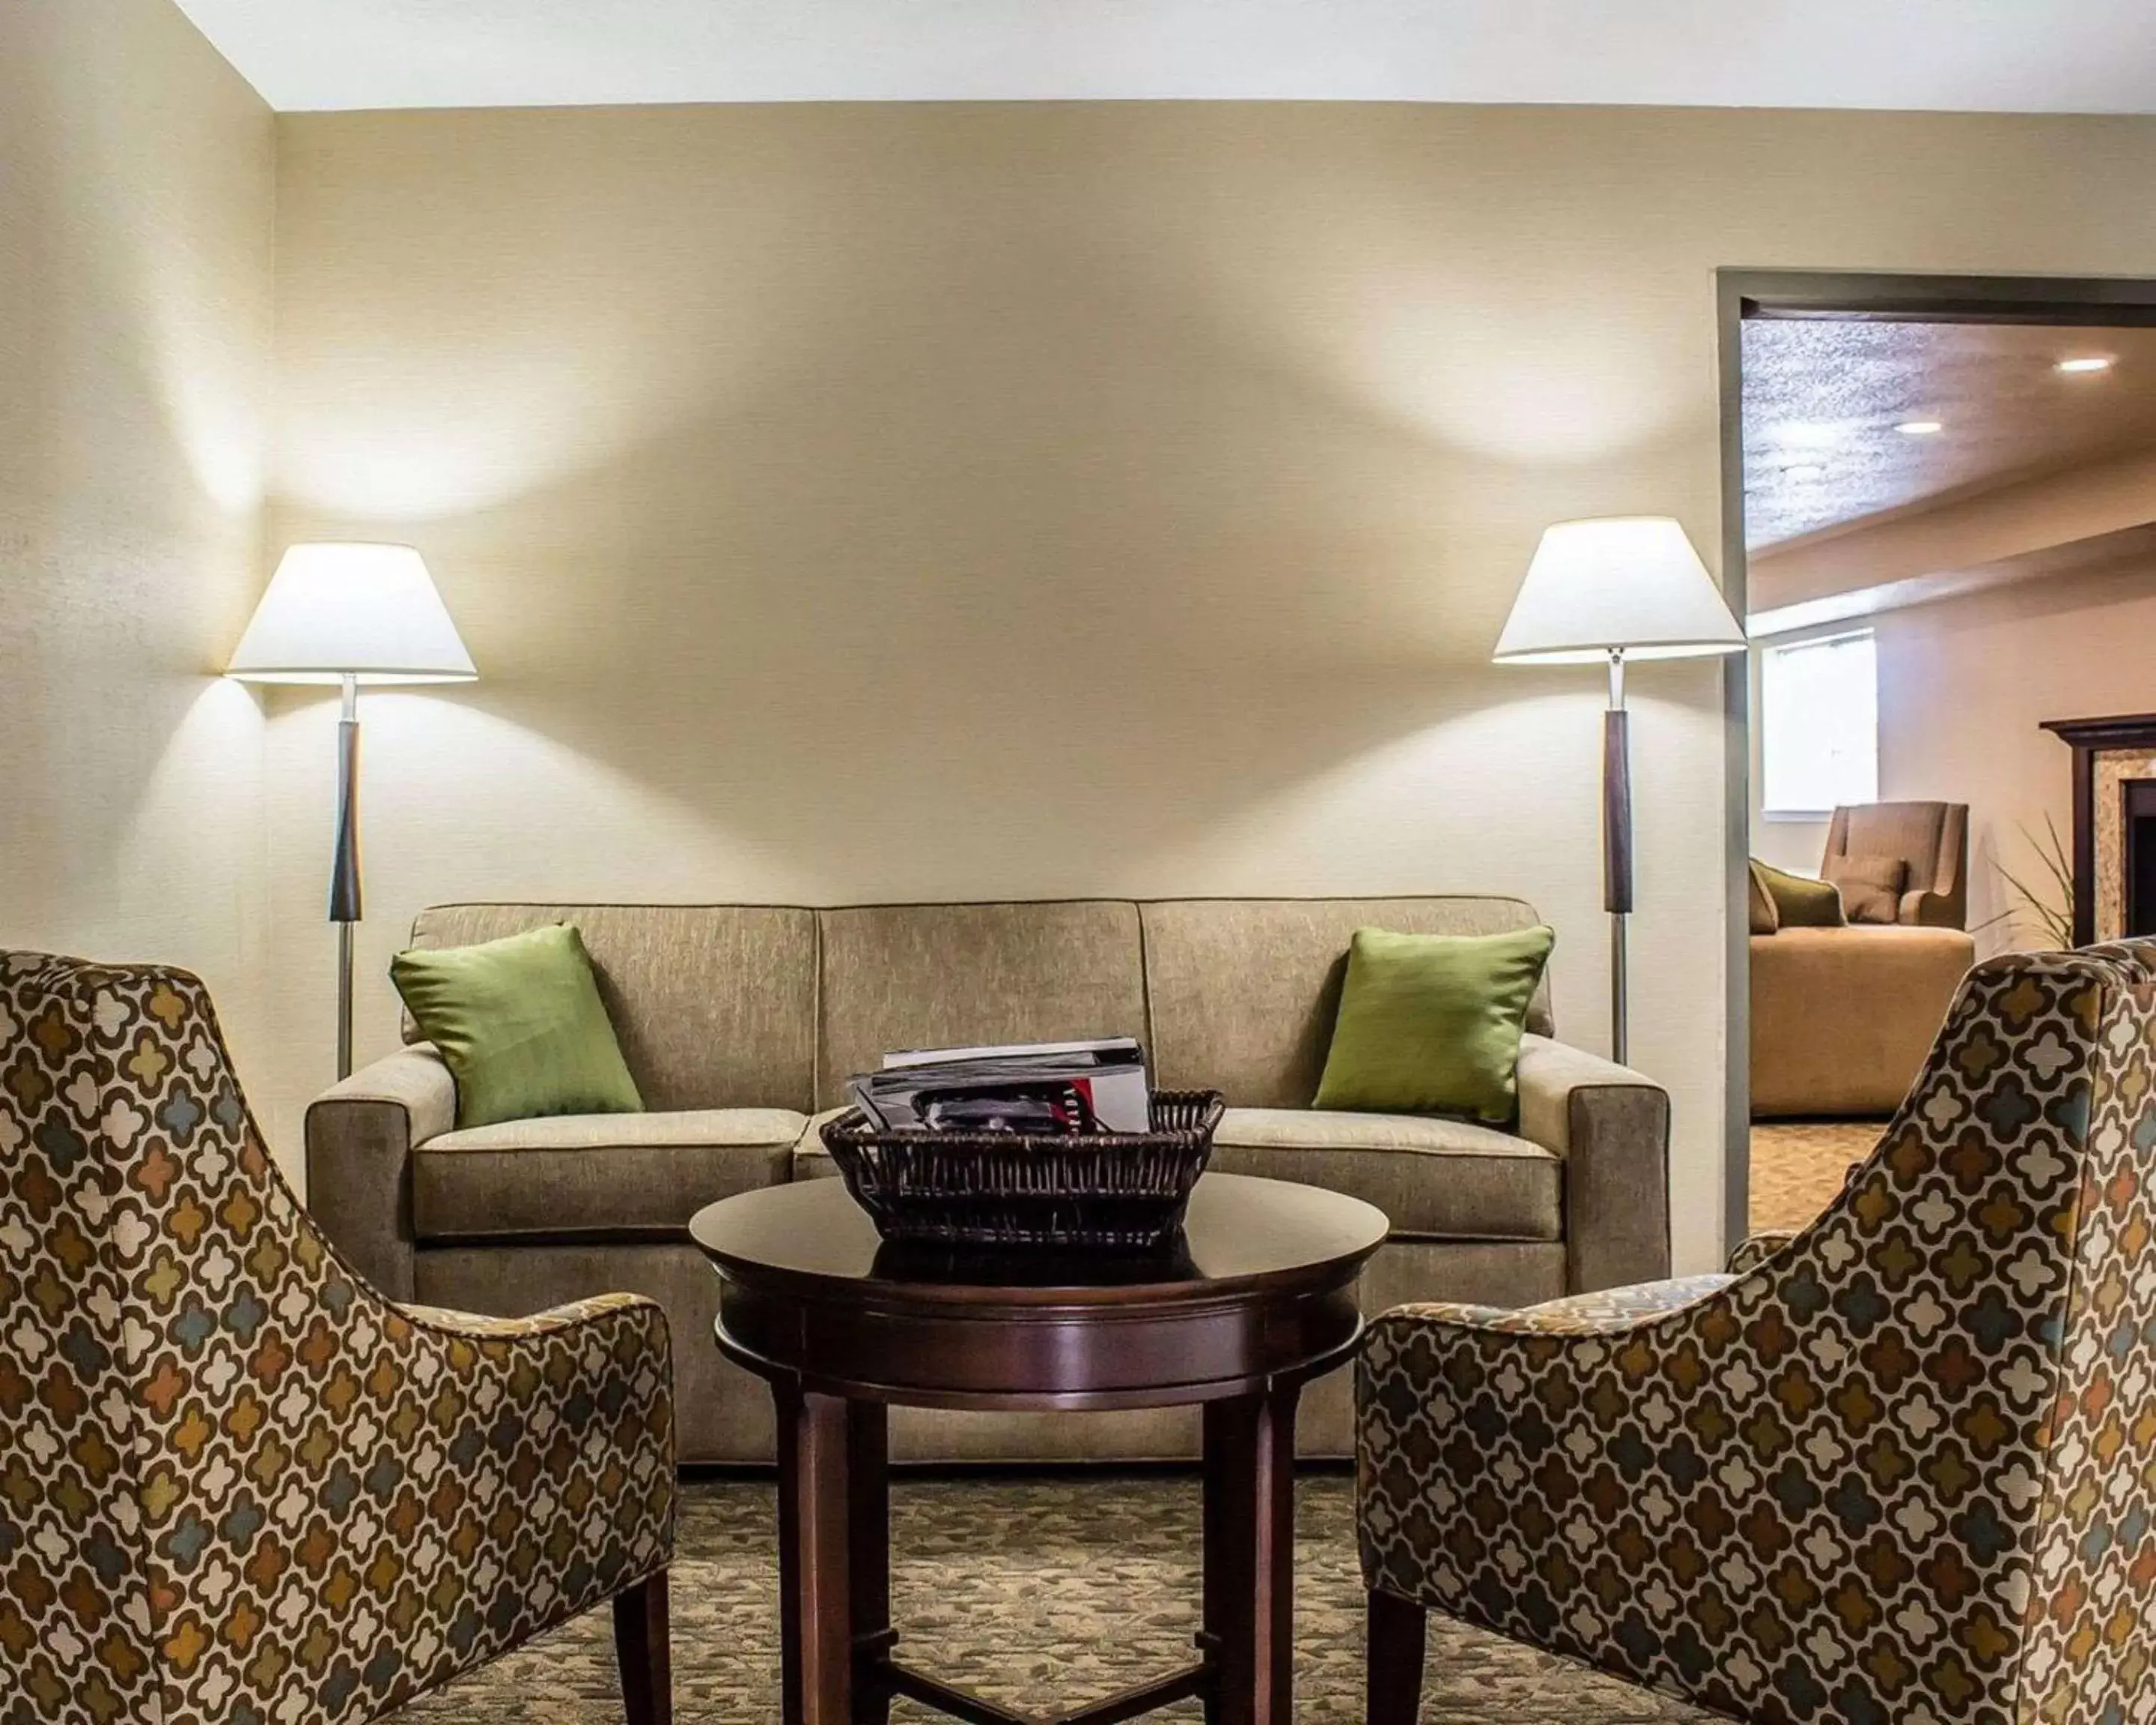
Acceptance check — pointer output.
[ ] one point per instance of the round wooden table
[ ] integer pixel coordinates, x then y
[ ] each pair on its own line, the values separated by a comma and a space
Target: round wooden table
1259, 1299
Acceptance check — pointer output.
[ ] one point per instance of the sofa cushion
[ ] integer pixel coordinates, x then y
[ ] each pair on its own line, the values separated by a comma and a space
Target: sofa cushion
1435, 1178
715, 1005
811, 1160
1243, 992
623, 1176
1844, 1018
934, 976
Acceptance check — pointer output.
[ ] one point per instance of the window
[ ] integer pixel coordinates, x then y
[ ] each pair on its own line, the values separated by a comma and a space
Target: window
1818, 724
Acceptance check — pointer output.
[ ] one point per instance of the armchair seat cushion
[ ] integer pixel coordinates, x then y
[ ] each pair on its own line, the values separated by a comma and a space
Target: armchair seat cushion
609, 1176
1437, 1179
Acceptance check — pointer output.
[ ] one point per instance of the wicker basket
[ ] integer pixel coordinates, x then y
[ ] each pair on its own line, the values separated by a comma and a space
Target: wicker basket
1123, 1191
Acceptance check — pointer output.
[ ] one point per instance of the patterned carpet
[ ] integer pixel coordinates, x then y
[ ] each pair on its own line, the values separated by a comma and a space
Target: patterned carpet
1047, 1593
1798, 1167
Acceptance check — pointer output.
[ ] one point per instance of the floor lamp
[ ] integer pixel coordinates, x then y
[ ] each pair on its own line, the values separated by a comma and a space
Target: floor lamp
343, 615
1616, 588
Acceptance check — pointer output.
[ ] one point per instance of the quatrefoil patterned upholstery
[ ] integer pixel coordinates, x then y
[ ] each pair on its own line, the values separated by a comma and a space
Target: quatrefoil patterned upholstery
1902, 1471
236, 1487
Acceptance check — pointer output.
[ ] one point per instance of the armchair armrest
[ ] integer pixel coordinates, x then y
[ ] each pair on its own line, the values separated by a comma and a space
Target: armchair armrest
1608, 1312
1925, 908
360, 1133
554, 1434
1611, 1125
1750, 1253
489, 1478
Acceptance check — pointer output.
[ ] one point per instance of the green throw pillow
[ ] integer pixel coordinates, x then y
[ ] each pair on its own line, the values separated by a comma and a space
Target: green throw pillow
1430, 1023
520, 1026
1799, 900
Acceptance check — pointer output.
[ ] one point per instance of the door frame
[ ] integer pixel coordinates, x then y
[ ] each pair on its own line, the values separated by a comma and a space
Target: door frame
1740, 295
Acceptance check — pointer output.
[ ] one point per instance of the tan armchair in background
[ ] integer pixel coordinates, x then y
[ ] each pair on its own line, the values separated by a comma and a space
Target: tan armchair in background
238, 1486
1896, 1471
1931, 838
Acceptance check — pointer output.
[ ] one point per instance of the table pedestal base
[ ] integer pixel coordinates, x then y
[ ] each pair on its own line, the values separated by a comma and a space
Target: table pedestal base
834, 1573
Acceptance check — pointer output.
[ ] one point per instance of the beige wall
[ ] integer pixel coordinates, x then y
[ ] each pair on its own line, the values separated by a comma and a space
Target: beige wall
1965, 687
136, 198
950, 501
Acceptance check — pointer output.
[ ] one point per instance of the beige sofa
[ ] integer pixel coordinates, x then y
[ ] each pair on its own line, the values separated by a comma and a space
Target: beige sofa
741, 1024
1842, 1018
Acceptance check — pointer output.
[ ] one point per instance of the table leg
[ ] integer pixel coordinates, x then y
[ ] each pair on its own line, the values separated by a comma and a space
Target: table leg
815, 1613
1249, 1559
868, 1489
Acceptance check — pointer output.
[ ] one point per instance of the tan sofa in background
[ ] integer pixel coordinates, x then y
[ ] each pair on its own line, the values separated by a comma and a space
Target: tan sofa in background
1842, 1018
741, 1024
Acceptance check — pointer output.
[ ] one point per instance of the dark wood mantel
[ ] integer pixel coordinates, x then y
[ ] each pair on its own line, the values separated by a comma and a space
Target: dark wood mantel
2088, 738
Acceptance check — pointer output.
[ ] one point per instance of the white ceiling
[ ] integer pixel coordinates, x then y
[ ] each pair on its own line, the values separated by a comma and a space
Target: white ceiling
1822, 397
2094, 56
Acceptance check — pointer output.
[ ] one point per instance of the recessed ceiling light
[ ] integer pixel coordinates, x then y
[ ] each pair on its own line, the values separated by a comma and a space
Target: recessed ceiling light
2083, 364
1919, 427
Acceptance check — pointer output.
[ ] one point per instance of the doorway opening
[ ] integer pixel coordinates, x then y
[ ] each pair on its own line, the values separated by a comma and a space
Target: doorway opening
1939, 527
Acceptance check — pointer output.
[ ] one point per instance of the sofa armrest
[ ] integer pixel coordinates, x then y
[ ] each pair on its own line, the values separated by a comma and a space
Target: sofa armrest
1611, 1125
360, 1133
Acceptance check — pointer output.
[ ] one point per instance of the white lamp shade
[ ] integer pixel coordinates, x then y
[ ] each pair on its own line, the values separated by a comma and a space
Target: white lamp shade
1632, 583
364, 611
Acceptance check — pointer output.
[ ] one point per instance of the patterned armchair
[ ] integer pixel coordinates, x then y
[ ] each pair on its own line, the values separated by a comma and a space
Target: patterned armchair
237, 1487
1903, 1469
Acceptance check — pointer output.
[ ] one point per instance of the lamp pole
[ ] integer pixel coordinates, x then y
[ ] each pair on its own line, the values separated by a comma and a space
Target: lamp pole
344, 864
1617, 845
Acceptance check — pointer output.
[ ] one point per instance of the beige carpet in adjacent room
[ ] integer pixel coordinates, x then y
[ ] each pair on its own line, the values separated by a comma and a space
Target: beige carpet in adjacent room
1798, 1166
